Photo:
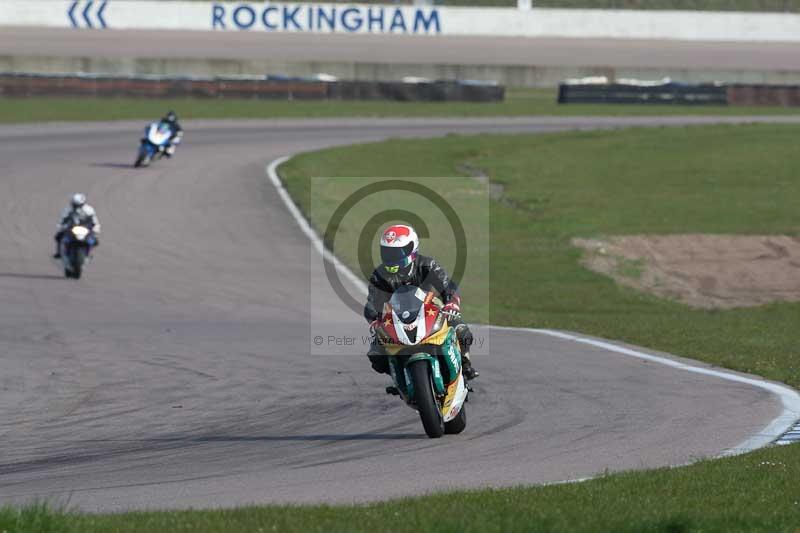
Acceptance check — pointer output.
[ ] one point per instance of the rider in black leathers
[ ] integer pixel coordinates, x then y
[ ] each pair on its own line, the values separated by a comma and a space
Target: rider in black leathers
177, 132
423, 272
86, 215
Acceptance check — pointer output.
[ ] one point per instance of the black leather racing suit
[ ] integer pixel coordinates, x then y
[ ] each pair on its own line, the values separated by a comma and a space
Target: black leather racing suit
177, 130
175, 136
427, 274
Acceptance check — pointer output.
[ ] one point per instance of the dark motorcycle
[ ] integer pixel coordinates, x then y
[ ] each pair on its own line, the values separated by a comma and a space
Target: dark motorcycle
76, 244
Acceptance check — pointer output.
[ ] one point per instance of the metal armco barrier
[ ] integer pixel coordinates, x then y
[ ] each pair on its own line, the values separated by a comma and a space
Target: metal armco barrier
678, 93
27, 84
618, 93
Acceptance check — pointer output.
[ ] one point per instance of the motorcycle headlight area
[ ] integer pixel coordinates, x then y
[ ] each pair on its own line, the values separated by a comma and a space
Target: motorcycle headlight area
80, 232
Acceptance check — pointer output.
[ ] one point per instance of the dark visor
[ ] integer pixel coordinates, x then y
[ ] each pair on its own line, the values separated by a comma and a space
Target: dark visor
397, 256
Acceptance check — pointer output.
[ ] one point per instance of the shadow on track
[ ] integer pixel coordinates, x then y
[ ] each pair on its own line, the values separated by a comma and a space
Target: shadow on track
310, 438
112, 165
29, 276
115, 448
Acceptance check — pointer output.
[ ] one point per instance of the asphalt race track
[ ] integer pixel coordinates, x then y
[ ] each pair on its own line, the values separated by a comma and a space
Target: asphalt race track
177, 372
389, 49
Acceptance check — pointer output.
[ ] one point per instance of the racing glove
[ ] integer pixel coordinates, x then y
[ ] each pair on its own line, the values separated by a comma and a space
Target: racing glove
451, 309
374, 325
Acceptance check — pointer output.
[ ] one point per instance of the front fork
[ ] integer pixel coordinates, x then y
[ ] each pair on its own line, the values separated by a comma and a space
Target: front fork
402, 377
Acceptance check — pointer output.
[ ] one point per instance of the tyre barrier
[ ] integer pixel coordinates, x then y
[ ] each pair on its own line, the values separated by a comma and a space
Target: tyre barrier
773, 95
260, 87
667, 92
600, 91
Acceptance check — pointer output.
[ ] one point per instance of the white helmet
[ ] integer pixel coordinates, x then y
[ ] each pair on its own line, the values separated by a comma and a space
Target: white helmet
399, 248
78, 200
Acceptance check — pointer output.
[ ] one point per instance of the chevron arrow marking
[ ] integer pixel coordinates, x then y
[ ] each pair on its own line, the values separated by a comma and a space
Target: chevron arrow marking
71, 14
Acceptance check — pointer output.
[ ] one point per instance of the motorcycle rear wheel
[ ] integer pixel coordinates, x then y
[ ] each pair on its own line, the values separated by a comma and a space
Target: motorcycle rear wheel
429, 412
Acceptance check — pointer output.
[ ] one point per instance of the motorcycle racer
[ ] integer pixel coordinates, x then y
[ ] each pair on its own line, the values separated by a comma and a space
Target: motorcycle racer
171, 119
402, 265
86, 214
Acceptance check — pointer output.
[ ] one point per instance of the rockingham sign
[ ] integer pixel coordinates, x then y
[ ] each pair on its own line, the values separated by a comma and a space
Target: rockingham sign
244, 16
325, 18
224, 16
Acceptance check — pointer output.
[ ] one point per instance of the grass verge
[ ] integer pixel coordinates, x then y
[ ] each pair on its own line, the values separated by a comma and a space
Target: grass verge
719, 179
756, 492
519, 102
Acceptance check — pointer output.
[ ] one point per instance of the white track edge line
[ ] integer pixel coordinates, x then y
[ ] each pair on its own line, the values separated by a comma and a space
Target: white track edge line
306, 227
790, 399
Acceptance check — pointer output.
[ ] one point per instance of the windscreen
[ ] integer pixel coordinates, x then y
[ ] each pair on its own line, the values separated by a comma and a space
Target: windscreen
407, 302
160, 134
74, 220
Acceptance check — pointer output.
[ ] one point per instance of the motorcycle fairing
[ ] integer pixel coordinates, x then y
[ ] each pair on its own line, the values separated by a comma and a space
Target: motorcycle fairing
454, 392
70, 241
158, 133
419, 328
454, 399
434, 344
436, 327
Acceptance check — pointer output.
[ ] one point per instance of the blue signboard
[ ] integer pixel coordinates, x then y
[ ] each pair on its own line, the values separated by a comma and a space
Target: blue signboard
81, 14
311, 18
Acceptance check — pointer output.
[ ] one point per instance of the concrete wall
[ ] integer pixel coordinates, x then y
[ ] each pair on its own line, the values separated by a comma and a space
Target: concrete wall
512, 76
327, 18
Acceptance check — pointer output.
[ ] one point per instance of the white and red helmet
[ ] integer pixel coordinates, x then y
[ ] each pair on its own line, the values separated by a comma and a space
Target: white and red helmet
399, 247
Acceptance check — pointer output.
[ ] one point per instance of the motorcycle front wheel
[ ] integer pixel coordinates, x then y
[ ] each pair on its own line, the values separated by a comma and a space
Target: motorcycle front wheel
425, 398
77, 258
458, 424
143, 159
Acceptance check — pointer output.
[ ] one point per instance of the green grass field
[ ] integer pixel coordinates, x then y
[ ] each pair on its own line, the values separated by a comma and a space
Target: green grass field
519, 102
721, 179
755, 492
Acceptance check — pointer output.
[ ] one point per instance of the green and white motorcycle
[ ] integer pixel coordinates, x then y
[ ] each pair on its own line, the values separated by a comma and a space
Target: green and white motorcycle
424, 360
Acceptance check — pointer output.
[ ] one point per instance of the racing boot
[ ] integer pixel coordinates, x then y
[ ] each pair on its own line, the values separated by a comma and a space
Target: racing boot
465, 340
57, 255
466, 367
378, 358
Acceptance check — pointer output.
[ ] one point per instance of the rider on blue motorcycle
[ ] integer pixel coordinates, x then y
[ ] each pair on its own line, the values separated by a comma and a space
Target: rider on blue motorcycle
402, 265
176, 132
85, 214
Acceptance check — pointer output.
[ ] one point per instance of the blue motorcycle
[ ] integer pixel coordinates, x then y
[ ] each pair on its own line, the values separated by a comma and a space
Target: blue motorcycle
154, 144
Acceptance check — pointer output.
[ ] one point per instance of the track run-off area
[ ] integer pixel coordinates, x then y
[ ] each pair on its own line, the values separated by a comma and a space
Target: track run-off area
178, 373
401, 50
